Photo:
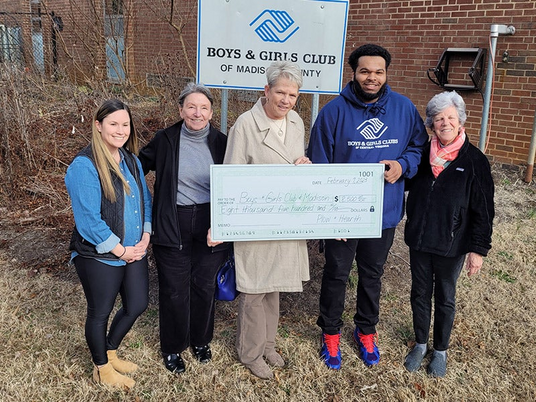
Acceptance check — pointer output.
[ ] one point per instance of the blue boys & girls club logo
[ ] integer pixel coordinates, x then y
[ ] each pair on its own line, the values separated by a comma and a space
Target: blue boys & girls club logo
274, 26
372, 129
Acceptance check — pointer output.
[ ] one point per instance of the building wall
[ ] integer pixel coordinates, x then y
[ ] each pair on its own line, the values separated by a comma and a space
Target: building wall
164, 40
160, 45
153, 33
80, 45
416, 32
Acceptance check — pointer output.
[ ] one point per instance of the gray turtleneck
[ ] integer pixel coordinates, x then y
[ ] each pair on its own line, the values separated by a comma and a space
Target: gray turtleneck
194, 167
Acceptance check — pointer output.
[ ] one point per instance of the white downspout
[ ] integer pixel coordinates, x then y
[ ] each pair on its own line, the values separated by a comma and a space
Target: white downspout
495, 31
532, 152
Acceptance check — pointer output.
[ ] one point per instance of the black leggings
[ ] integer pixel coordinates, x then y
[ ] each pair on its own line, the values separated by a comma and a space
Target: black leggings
102, 283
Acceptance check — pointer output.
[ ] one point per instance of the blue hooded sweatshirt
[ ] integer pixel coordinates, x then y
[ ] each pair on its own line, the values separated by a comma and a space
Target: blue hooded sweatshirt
348, 130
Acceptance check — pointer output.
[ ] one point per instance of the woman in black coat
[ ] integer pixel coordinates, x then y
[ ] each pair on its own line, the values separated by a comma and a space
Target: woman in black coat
181, 156
449, 220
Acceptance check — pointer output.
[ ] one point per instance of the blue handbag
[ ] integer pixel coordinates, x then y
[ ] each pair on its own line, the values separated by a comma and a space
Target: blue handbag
226, 281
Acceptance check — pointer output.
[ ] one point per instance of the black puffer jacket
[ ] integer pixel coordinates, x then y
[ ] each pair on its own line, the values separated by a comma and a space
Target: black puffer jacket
453, 214
161, 155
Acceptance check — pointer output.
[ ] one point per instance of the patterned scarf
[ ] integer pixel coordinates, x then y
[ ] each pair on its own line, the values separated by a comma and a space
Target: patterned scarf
441, 155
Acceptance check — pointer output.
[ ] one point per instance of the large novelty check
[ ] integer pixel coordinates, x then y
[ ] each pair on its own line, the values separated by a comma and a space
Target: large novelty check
283, 202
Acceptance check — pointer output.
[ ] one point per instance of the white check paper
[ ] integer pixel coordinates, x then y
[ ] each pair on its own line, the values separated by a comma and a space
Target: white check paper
283, 202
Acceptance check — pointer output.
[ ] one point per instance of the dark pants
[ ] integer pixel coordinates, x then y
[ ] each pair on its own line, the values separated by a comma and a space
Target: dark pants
437, 275
102, 283
187, 280
370, 256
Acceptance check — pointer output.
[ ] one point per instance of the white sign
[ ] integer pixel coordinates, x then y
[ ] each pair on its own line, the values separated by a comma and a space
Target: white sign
238, 39
282, 202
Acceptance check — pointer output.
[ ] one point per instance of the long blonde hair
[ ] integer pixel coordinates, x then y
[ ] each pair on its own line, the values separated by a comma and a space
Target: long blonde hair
104, 161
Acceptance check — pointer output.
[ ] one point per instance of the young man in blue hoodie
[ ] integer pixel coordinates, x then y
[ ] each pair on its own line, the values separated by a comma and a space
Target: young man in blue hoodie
367, 123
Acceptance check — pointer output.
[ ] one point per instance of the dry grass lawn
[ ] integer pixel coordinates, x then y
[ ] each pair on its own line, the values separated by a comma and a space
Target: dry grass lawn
492, 357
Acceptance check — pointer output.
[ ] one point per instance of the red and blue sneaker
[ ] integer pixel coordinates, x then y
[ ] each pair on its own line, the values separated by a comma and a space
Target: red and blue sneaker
368, 351
331, 351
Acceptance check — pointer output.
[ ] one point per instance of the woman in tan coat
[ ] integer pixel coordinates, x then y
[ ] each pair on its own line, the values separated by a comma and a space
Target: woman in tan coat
269, 133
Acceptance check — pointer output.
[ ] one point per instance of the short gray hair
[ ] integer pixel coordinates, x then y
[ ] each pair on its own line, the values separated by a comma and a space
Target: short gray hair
192, 88
442, 101
284, 69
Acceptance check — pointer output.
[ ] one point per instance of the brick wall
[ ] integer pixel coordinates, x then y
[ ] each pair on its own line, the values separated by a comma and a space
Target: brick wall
80, 45
416, 32
163, 39
154, 33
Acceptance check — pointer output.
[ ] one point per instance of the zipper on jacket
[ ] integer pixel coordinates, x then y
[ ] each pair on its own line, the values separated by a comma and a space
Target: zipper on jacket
176, 181
424, 222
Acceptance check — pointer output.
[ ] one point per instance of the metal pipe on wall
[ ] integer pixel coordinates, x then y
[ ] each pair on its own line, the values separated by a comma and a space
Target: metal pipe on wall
495, 31
532, 152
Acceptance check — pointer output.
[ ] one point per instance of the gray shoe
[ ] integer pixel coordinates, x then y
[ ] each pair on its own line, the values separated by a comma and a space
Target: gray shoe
273, 358
438, 365
261, 370
414, 359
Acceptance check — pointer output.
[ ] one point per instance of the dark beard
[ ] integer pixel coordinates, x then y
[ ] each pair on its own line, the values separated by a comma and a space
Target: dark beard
365, 96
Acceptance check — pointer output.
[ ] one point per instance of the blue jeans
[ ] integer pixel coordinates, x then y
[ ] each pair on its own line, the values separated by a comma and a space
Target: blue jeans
370, 256
437, 275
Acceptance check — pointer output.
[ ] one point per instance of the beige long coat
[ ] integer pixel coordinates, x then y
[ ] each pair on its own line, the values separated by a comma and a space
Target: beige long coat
267, 266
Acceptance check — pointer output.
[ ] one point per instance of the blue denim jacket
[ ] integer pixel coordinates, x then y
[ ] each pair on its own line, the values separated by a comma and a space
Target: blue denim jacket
84, 188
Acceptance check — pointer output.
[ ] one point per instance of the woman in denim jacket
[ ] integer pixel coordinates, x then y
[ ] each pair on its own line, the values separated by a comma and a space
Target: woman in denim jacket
112, 213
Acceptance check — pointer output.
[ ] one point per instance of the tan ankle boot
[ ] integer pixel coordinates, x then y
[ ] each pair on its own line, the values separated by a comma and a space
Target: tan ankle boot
274, 359
121, 366
106, 375
261, 370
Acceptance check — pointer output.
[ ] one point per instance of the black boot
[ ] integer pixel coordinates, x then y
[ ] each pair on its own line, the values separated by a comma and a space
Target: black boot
202, 353
174, 362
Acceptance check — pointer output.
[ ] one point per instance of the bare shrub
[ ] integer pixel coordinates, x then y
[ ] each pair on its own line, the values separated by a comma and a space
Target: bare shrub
43, 124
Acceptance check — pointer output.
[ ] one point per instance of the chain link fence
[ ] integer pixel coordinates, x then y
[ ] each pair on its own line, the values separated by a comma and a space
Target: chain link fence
22, 48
